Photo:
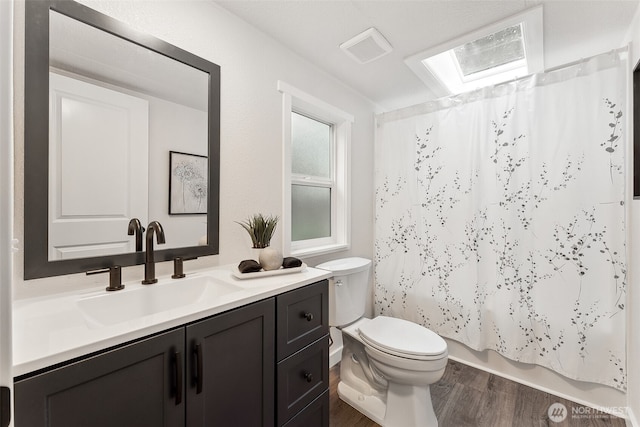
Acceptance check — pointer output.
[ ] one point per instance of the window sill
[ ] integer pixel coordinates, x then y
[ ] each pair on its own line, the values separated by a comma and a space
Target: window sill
319, 250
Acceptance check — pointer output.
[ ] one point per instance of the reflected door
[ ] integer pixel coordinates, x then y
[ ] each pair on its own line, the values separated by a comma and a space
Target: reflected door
98, 168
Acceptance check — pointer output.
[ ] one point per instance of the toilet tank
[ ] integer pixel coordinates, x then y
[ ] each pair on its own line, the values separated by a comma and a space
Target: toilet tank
347, 289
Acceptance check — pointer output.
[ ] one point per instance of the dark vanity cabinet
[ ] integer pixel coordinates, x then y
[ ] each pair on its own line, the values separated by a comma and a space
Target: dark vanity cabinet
262, 364
303, 356
217, 371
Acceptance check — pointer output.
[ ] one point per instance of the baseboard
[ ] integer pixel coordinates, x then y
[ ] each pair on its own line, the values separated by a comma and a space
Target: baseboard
335, 350
335, 354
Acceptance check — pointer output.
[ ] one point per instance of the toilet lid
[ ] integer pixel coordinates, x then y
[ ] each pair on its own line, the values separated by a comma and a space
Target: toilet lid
402, 337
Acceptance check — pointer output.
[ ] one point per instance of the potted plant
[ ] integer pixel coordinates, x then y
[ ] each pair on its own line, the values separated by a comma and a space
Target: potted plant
261, 229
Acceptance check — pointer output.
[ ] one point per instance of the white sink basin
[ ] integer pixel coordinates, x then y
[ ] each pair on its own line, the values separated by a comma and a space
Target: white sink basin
131, 303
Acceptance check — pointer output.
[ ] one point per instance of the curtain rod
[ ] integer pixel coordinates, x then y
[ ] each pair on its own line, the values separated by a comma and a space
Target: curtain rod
456, 99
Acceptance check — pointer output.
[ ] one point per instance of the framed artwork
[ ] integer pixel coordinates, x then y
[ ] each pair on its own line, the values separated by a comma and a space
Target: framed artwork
187, 183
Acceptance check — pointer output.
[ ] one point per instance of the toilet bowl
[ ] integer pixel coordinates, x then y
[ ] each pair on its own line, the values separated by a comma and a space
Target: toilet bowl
387, 364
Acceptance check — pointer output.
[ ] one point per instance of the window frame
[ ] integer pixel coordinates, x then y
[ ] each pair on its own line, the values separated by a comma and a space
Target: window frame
295, 100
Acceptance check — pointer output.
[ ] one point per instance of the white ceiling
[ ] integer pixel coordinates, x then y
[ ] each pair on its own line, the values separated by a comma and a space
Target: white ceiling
314, 29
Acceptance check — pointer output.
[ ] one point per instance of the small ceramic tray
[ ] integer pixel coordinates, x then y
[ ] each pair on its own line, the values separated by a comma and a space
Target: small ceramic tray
266, 273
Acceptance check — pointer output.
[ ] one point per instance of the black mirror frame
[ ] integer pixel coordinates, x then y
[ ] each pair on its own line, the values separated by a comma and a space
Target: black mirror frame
36, 140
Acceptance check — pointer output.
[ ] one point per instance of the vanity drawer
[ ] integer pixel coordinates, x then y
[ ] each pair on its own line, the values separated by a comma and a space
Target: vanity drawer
302, 317
301, 378
316, 414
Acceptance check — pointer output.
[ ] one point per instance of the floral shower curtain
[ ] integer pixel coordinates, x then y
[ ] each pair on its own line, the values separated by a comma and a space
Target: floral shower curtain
500, 218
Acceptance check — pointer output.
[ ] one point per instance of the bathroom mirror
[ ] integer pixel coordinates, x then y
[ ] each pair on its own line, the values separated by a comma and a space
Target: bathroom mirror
118, 124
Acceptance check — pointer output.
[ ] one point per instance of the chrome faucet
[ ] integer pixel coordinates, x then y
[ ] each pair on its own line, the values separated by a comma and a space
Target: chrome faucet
136, 228
149, 263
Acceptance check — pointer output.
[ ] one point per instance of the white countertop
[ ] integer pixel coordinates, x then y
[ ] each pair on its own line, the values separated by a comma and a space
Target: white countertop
51, 330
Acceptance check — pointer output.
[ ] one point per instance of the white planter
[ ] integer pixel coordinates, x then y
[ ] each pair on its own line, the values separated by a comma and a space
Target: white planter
270, 258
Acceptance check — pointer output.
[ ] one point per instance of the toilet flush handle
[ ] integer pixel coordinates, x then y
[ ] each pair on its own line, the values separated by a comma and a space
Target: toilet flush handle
338, 282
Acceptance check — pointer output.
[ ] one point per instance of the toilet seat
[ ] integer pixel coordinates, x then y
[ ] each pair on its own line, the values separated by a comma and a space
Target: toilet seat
402, 338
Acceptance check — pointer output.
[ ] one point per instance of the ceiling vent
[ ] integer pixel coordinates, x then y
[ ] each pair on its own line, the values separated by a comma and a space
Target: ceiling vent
367, 46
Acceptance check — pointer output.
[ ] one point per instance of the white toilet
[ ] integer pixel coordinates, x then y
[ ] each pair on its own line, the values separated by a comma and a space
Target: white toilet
387, 364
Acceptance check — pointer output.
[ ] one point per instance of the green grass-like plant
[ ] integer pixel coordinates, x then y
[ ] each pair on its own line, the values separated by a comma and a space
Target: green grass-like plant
260, 228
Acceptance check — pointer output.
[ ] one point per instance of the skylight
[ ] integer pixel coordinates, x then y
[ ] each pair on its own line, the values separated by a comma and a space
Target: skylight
503, 51
501, 48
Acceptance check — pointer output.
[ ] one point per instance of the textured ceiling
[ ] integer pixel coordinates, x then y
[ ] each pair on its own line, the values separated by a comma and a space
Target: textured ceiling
314, 29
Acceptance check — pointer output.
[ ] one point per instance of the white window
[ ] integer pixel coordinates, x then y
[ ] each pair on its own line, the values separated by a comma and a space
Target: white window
316, 138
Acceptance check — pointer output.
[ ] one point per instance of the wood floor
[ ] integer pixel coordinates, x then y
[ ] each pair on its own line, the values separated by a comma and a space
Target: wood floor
468, 397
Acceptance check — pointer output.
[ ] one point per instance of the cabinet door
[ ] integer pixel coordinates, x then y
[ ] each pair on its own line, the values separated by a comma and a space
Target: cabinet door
231, 368
136, 385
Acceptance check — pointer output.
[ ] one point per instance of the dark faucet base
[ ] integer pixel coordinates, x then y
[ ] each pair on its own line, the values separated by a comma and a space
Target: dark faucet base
149, 282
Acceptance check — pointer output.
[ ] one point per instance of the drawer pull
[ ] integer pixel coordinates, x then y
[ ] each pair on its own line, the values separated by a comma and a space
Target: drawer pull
177, 360
199, 374
308, 376
308, 316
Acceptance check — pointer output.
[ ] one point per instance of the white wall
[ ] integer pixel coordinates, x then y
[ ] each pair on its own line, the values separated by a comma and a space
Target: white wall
251, 128
188, 134
633, 285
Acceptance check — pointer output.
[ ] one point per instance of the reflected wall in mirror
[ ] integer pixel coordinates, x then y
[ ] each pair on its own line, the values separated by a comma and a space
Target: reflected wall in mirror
117, 102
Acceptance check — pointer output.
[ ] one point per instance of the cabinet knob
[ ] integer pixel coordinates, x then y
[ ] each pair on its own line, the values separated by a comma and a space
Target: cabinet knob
308, 316
308, 376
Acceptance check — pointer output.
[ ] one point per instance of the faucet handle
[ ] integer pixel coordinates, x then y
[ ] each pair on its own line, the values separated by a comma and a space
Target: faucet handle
178, 269
178, 266
115, 277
